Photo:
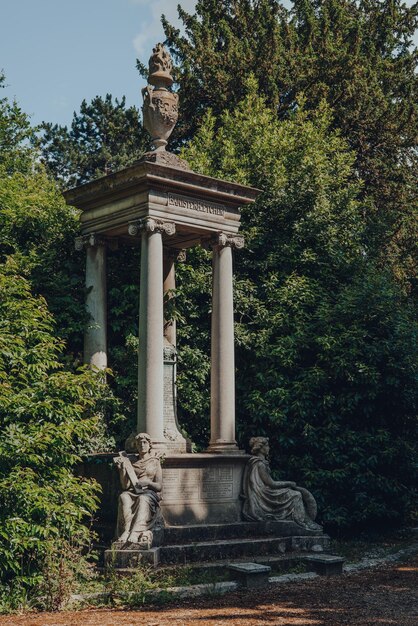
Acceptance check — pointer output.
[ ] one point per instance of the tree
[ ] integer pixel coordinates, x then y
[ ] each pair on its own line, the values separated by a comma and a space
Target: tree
48, 412
104, 136
358, 56
327, 343
15, 134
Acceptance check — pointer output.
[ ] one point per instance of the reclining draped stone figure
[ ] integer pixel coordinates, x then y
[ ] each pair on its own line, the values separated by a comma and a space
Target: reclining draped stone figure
268, 499
140, 520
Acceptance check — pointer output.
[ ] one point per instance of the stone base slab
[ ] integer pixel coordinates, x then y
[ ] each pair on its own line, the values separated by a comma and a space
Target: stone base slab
250, 575
209, 551
131, 558
326, 564
239, 530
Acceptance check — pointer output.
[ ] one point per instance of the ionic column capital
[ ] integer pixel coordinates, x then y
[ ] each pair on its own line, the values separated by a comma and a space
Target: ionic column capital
89, 241
223, 240
151, 225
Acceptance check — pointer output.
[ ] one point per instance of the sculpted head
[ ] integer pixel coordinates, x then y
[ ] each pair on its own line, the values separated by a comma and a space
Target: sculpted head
259, 445
143, 443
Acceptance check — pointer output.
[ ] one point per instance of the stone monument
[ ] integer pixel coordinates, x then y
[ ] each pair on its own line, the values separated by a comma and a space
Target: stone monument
268, 499
139, 514
160, 204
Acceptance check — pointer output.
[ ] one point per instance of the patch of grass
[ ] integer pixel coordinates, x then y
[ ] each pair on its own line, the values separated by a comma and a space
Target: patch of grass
371, 546
288, 567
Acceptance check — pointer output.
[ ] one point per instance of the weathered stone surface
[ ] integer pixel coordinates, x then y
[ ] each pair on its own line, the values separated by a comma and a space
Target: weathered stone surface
160, 108
175, 442
166, 158
202, 488
326, 564
250, 575
242, 530
132, 558
200, 206
256, 547
265, 498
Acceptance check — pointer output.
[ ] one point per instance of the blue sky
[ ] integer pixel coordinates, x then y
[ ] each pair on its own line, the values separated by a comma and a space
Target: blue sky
54, 53
57, 52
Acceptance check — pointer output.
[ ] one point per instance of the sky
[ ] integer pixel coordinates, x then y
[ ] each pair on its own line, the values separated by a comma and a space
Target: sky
55, 53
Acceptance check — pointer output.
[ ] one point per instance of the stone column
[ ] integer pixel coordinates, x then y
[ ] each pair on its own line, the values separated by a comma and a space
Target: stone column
95, 336
222, 418
151, 323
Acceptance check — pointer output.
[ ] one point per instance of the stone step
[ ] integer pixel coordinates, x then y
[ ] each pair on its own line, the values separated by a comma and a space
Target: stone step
278, 562
239, 530
236, 548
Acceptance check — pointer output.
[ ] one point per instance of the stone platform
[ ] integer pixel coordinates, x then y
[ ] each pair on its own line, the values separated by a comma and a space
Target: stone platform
215, 542
202, 511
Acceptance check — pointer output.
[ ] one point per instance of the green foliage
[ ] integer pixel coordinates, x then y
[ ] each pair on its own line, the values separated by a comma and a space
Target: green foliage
104, 136
48, 413
357, 56
327, 342
15, 130
192, 308
45, 413
38, 229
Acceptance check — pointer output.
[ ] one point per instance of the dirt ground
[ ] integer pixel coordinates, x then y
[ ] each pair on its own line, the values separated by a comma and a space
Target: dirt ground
384, 596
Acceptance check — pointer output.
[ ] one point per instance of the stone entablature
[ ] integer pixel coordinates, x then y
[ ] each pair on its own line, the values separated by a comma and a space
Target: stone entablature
200, 206
183, 202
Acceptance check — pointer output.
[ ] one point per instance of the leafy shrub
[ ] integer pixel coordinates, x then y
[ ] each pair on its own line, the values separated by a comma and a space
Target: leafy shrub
46, 413
327, 346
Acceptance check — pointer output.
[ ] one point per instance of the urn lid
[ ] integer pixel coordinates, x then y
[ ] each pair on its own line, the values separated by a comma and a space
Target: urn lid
160, 67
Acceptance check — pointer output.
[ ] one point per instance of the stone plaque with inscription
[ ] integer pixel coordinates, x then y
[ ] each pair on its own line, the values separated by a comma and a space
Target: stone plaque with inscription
193, 204
202, 487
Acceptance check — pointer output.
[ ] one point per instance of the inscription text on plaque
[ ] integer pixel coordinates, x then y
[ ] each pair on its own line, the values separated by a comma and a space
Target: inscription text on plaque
195, 205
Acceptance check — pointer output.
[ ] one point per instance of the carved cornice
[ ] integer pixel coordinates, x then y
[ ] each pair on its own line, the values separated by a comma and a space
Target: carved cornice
89, 241
150, 225
222, 240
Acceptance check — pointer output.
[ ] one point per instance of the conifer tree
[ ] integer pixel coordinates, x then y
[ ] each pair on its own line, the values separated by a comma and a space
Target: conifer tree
358, 56
104, 136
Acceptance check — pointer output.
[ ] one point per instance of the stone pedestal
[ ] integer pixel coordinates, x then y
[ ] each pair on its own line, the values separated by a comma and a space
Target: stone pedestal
202, 488
175, 442
250, 575
118, 558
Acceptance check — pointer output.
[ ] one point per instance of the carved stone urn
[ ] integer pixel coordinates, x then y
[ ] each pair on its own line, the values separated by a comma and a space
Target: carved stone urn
160, 107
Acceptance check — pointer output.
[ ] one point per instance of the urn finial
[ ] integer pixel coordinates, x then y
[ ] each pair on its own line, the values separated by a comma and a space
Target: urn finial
160, 107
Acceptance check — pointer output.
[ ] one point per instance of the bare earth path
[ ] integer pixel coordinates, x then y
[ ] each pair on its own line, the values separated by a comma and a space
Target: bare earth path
384, 596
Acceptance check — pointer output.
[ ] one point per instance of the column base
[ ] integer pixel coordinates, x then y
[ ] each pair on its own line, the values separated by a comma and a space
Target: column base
224, 447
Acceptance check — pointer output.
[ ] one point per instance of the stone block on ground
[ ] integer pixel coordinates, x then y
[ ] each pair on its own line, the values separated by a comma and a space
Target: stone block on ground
250, 575
325, 564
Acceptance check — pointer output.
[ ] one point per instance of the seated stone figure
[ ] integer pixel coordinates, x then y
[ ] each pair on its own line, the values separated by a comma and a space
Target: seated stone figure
268, 499
139, 515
